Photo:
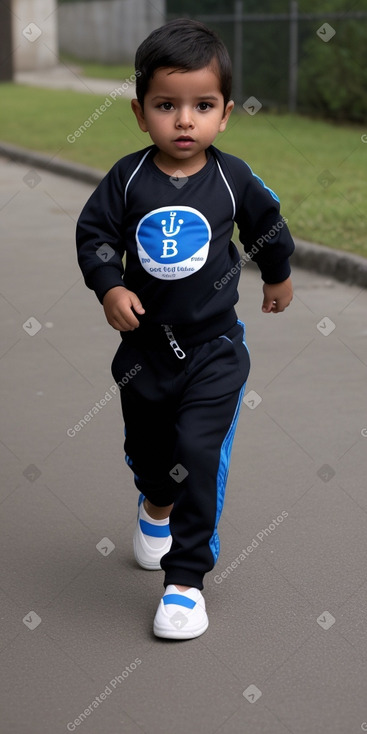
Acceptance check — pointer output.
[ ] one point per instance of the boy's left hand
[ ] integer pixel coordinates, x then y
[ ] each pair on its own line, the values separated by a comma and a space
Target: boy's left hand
277, 296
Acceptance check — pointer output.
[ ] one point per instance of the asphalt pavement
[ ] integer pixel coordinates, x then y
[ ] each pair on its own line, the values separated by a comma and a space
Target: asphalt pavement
286, 648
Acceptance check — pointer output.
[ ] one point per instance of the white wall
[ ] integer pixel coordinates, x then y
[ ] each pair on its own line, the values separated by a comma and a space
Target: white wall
34, 31
107, 30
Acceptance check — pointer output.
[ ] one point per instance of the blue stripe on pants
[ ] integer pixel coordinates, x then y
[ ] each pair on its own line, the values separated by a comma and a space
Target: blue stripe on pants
223, 469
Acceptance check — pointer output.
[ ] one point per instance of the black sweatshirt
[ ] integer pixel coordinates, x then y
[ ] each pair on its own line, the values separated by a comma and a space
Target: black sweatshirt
176, 233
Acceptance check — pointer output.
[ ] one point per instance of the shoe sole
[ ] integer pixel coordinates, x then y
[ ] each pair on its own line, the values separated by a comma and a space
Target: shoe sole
145, 564
179, 634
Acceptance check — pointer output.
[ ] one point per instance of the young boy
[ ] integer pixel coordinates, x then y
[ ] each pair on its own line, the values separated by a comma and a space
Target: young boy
183, 361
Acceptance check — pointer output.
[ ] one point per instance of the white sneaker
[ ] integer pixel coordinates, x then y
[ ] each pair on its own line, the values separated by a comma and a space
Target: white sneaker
152, 539
181, 615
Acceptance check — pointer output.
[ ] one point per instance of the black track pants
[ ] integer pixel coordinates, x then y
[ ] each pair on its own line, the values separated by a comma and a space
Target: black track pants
180, 417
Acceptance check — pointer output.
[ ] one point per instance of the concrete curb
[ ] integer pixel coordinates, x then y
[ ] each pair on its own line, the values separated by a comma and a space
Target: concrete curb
52, 164
337, 264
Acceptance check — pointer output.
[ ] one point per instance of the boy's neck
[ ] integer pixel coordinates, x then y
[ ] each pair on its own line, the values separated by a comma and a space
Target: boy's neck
173, 167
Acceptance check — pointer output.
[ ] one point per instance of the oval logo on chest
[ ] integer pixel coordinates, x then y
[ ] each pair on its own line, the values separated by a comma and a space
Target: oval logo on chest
173, 242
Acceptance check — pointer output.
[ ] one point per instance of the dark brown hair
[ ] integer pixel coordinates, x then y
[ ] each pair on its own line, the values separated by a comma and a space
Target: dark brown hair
182, 44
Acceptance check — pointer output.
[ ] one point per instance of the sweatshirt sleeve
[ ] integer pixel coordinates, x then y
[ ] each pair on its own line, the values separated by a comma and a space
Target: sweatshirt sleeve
262, 230
99, 235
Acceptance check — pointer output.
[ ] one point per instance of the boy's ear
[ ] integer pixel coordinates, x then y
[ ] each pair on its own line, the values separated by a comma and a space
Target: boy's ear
139, 114
225, 118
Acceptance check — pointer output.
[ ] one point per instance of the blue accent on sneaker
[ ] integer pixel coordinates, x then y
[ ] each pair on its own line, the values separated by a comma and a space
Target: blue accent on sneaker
182, 600
156, 531
141, 498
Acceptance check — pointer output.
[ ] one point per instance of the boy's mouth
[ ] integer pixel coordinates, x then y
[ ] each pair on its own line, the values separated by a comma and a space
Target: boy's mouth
184, 141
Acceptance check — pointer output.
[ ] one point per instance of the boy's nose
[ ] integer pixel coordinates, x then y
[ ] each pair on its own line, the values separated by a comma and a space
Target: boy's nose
184, 118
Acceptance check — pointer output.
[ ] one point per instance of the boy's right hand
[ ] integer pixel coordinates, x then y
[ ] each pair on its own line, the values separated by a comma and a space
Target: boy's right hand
118, 303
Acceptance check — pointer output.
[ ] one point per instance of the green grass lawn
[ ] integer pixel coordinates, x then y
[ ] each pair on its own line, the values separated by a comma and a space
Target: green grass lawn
289, 152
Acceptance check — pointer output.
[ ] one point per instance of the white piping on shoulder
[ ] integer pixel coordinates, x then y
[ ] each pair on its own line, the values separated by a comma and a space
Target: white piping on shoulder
135, 172
228, 187
219, 168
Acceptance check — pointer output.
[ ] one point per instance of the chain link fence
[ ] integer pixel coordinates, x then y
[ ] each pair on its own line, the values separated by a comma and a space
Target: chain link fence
311, 62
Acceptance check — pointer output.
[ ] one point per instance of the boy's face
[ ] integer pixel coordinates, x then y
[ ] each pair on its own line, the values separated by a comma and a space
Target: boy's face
183, 113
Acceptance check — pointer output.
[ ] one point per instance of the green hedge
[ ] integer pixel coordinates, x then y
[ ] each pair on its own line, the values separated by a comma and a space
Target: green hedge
333, 75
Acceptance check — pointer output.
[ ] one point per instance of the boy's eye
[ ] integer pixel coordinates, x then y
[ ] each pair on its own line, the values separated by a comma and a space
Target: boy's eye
203, 106
166, 106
